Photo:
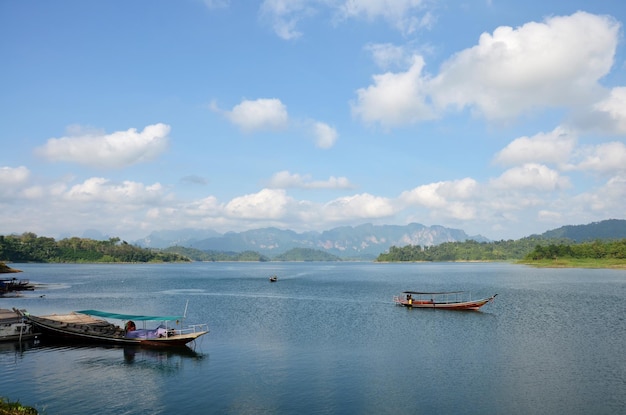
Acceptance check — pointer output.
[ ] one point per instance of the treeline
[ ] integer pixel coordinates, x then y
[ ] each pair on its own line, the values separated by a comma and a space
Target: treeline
528, 249
592, 250
295, 254
306, 254
216, 256
29, 247
463, 251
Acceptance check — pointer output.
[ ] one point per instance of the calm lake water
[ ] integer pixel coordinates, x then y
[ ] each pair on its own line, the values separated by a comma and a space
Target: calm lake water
327, 338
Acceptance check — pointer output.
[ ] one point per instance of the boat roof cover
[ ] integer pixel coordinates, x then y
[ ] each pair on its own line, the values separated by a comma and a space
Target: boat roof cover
431, 292
117, 316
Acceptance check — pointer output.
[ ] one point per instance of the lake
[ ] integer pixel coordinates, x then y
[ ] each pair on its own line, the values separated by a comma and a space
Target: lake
327, 339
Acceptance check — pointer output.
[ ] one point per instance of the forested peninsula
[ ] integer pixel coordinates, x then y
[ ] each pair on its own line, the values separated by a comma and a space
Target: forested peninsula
29, 247
546, 253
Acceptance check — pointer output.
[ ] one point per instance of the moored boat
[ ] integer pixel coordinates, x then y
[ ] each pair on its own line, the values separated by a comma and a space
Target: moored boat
11, 285
450, 300
13, 327
92, 326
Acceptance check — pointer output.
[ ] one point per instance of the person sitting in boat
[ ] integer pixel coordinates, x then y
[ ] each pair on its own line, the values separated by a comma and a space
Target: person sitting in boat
409, 299
130, 326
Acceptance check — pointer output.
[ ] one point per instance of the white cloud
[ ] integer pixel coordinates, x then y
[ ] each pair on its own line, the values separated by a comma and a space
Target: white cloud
604, 158
439, 194
325, 135
13, 182
553, 147
361, 206
401, 14
386, 55
267, 204
284, 15
615, 107
10, 176
119, 149
97, 189
258, 115
395, 98
554, 63
531, 176
407, 16
286, 180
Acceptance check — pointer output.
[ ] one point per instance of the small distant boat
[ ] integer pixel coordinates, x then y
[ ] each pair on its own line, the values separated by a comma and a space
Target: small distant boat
450, 300
11, 285
91, 326
13, 327
273, 278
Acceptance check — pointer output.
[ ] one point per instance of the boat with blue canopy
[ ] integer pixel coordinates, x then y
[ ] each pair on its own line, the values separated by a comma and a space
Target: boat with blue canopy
93, 326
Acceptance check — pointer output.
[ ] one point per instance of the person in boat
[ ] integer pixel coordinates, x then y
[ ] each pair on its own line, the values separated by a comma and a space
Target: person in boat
130, 326
409, 299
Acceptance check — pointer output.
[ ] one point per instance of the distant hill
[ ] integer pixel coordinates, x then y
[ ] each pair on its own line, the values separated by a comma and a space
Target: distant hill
361, 242
606, 229
306, 254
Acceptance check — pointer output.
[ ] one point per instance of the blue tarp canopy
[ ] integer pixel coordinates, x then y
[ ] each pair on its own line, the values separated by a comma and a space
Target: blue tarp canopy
117, 316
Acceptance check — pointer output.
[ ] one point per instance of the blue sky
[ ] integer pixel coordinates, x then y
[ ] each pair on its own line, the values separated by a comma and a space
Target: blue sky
501, 118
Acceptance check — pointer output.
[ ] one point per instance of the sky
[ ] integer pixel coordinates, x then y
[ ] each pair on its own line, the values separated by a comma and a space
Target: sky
498, 117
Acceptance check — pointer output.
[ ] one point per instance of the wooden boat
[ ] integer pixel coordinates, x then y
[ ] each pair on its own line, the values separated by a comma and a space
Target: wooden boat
11, 285
13, 327
450, 300
91, 326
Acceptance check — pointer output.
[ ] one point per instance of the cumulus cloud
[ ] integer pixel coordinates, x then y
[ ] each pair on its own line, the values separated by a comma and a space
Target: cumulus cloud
258, 115
119, 149
447, 197
266, 204
285, 180
14, 181
361, 206
531, 176
97, 189
10, 176
553, 147
615, 107
395, 98
604, 158
325, 135
555, 63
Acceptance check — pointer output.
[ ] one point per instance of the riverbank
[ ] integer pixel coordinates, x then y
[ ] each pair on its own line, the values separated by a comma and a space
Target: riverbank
15, 408
576, 263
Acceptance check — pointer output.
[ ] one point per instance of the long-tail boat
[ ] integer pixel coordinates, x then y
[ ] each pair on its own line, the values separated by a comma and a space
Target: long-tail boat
91, 326
450, 300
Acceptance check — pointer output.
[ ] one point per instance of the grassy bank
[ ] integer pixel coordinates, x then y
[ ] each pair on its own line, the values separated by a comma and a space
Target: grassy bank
15, 408
576, 263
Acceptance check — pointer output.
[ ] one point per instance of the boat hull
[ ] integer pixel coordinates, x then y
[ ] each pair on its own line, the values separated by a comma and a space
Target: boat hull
14, 328
447, 305
103, 332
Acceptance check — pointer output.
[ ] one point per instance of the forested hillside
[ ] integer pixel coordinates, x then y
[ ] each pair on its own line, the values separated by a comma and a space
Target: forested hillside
464, 251
28, 247
547, 243
215, 256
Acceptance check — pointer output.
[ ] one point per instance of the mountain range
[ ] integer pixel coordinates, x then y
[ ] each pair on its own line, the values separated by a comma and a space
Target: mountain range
360, 242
